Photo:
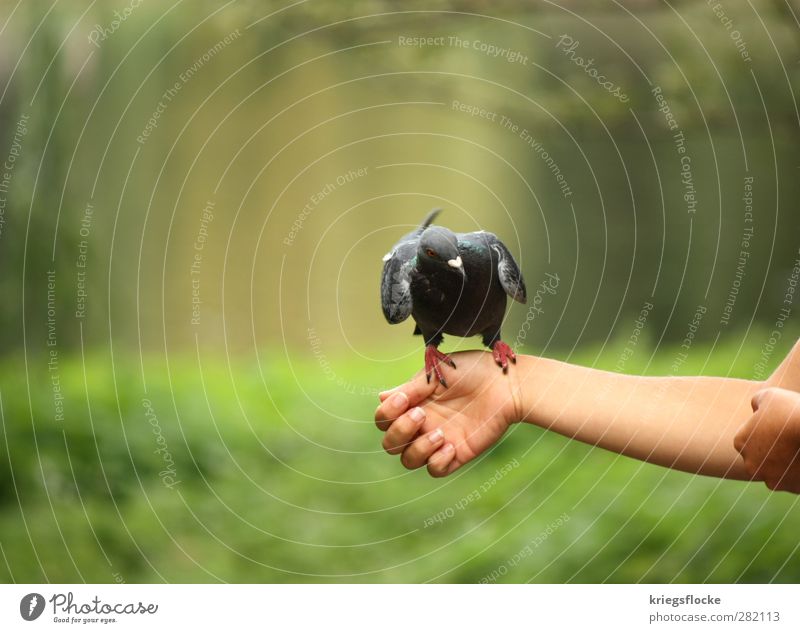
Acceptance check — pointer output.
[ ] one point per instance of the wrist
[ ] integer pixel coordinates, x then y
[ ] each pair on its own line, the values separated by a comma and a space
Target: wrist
519, 409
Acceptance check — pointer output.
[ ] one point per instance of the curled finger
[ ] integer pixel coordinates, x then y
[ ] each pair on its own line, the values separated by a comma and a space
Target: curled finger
402, 431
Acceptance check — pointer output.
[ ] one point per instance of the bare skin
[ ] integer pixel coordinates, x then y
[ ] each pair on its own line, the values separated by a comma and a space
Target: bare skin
472, 413
687, 423
770, 440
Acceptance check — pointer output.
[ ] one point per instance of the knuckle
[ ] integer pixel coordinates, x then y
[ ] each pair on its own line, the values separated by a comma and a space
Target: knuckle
408, 461
769, 394
405, 425
750, 467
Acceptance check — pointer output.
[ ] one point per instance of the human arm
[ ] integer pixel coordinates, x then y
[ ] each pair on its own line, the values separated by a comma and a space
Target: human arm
681, 422
687, 423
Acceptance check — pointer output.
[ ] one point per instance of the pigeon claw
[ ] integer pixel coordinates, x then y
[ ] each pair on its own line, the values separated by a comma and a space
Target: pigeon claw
433, 364
502, 353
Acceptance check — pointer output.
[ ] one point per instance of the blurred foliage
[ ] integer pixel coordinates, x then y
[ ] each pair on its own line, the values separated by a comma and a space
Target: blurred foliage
274, 488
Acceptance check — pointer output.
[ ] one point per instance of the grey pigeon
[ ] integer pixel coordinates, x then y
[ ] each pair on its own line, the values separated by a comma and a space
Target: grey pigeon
451, 283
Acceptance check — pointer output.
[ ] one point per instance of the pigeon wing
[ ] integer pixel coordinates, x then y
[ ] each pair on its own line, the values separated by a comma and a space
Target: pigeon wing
396, 282
508, 271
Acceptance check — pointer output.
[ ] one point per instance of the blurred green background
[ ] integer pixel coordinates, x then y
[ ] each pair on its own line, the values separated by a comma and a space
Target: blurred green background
194, 203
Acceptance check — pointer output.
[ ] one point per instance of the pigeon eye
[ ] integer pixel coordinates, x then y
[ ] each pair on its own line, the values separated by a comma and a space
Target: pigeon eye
431, 252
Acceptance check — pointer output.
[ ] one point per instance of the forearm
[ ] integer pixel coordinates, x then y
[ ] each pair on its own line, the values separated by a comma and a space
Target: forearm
683, 423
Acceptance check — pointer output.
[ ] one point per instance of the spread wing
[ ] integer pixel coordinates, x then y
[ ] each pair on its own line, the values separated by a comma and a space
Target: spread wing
507, 269
396, 282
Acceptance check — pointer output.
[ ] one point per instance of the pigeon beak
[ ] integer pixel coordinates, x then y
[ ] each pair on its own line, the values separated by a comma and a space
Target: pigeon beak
457, 264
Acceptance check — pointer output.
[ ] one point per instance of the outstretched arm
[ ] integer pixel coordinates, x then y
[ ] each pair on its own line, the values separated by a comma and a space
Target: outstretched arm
685, 423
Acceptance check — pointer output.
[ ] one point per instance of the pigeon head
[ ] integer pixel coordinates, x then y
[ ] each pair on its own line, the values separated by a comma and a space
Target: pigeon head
438, 249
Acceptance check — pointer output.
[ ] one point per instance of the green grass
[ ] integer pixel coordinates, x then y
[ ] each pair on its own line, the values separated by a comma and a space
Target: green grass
282, 480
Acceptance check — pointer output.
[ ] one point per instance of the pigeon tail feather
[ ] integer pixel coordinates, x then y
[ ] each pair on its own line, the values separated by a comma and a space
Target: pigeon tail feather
429, 219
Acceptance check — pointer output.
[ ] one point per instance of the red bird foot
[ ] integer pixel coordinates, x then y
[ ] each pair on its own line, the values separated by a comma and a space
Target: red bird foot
433, 360
502, 353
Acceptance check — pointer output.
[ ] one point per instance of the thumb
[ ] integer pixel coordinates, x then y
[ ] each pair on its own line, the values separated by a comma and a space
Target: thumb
758, 398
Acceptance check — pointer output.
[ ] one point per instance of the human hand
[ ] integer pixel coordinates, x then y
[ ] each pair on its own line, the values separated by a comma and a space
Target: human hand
448, 427
769, 441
